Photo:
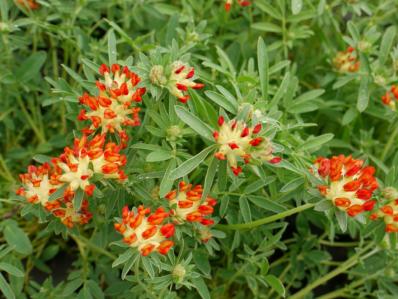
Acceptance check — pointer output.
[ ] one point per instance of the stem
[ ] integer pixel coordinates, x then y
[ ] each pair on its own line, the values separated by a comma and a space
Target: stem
389, 143
265, 220
338, 244
93, 247
340, 292
352, 261
30, 121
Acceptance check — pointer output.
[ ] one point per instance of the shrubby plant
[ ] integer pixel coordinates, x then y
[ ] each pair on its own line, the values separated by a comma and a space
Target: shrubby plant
198, 149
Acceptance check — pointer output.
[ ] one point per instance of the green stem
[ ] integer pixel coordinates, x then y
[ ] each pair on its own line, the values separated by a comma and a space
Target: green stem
265, 220
339, 293
389, 143
352, 261
338, 244
30, 121
93, 247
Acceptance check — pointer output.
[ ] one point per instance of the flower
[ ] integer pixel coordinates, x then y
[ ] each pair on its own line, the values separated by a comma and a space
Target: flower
349, 185
146, 231
114, 107
178, 81
228, 4
40, 182
31, 4
387, 98
87, 157
187, 206
238, 141
389, 213
346, 61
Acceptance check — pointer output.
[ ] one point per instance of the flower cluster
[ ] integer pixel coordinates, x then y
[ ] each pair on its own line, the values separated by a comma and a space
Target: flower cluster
389, 213
389, 96
349, 184
178, 81
145, 231
187, 206
114, 107
228, 4
346, 61
40, 183
88, 157
237, 141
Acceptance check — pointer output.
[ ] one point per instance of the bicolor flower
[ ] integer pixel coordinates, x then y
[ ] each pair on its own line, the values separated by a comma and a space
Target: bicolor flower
228, 4
38, 185
389, 97
237, 141
146, 231
346, 61
114, 107
186, 204
87, 157
348, 184
31, 4
389, 213
177, 80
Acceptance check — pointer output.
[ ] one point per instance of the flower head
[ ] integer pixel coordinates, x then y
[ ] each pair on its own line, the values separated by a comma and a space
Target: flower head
237, 141
187, 206
146, 231
389, 96
87, 157
228, 4
178, 81
38, 185
389, 213
349, 184
114, 107
346, 61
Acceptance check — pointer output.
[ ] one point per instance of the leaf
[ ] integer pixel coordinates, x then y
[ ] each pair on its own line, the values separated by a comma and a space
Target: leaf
267, 204
276, 284
221, 101
158, 156
353, 31
16, 237
201, 260
316, 142
42, 158
194, 122
292, 185
201, 287
190, 164
210, 174
323, 205
112, 51
245, 209
123, 257
71, 287
78, 199
363, 94
281, 90
166, 184
58, 193
263, 64
386, 44
31, 66
146, 262
127, 266
309, 95
11, 269
267, 27
297, 5
341, 219
259, 184
6, 289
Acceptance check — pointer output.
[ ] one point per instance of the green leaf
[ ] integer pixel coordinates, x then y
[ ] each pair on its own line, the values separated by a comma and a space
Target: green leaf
281, 90
386, 44
267, 27
276, 284
78, 199
112, 51
146, 262
201, 287
297, 5
292, 185
166, 184
11, 269
194, 122
221, 101
31, 66
95, 289
267, 204
209, 178
42, 158
6, 289
316, 142
353, 31
189, 165
342, 219
263, 64
245, 209
128, 265
72, 286
123, 257
16, 237
58, 193
201, 260
158, 156
363, 94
